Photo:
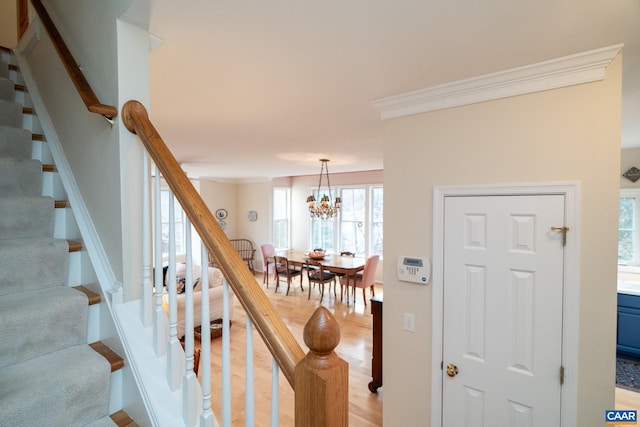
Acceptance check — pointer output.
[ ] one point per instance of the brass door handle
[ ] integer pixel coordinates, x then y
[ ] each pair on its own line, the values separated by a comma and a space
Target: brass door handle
452, 370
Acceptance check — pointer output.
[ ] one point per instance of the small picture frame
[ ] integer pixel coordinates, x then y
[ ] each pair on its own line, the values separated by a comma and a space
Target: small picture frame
252, 216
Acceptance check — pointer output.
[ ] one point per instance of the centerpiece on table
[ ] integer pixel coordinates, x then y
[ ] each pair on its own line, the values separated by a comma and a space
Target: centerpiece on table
317, 254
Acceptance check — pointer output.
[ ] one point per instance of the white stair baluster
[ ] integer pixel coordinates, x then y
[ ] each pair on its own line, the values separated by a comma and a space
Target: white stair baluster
189, 389
146, 300
249, 419
226, 357
175, 354
275, 399
160, 318
206, 417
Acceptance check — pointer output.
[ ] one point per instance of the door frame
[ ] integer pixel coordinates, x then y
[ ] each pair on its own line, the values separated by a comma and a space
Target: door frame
571, 291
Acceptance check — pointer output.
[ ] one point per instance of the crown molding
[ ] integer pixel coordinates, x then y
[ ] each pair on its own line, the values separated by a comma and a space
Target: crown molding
570, 70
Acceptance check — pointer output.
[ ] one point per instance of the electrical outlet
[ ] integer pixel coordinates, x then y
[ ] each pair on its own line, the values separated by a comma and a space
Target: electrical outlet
409, 322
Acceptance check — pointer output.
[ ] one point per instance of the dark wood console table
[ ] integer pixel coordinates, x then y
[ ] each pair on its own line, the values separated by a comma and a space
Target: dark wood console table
376, 359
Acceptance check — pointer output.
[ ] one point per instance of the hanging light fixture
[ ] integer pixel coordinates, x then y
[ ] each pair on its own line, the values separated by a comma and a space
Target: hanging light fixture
325, 209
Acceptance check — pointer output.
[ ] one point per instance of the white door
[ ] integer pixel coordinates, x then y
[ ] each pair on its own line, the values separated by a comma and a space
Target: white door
502, 314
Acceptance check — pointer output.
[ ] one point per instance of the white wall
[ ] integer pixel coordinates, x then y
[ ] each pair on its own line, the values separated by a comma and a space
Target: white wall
8, 23
90, 144
221, 195
563, 135
133, 84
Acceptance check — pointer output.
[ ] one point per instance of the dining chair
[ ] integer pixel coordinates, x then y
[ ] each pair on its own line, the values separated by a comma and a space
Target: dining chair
316, 274
288, 270
364, 280
268, 252
349, 254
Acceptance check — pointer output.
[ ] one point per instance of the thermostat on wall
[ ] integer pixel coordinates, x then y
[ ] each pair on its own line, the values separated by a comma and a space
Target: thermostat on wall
414, 269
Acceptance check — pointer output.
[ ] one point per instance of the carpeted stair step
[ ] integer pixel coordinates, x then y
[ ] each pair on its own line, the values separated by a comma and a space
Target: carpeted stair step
40, 322
15, 142
26, 216
30, 264
102, 422
74, 245
93, 298
74, 384
115, 361
20, 177
7, 89
122, 419
10, 113
4, 69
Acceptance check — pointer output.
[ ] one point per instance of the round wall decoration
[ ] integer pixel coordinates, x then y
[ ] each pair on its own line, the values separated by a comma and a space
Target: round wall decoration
221, 213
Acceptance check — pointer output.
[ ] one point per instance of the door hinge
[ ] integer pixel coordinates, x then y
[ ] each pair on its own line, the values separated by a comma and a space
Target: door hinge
561, 375
563, 230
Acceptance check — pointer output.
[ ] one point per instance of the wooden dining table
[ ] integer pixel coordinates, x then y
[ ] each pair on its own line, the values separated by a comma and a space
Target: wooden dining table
347, 265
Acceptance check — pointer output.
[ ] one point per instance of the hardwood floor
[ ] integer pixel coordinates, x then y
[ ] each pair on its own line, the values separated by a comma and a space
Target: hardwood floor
626, 399
365, 408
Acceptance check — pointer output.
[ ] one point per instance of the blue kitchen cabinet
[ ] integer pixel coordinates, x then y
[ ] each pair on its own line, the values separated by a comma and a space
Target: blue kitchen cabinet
628, 339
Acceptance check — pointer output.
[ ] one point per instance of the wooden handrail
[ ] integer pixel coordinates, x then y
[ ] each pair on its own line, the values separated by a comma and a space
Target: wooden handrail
80, 82
274, 332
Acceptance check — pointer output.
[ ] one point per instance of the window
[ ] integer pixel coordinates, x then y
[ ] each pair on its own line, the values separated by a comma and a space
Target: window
322, 230
353, 220
375, 245
628, 236
359, 225
178, 223
322, 234
281, 210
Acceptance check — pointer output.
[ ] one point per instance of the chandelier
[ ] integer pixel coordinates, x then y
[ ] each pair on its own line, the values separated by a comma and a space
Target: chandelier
325, 209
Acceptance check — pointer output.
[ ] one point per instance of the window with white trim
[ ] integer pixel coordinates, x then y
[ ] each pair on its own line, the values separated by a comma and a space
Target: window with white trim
178, 223
359, 225
628, 220
281, 217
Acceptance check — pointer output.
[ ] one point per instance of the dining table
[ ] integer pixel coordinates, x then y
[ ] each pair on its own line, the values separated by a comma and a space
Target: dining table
348, 266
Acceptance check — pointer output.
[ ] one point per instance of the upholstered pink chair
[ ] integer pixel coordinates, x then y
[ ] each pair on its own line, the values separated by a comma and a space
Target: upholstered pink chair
268, 252
364, 280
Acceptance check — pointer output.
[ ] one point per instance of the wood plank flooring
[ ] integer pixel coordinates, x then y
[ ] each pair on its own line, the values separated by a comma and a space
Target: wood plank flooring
626, 399
365, 408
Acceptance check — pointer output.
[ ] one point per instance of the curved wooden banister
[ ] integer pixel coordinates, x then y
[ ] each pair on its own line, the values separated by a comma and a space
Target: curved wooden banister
278, 338
80, 82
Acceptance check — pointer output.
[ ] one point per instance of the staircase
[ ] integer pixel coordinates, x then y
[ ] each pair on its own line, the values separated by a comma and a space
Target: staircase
49, 374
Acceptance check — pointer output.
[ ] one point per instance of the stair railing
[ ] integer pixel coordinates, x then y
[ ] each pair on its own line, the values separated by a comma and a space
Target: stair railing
319, 379
79, 81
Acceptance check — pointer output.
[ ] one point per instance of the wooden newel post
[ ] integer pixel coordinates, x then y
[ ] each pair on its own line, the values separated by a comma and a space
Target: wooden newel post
322, 378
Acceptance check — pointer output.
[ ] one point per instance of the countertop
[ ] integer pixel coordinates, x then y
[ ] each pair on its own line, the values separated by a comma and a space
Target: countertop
628, 287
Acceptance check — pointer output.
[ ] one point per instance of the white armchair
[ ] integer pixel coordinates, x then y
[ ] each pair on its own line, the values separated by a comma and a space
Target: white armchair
215, 296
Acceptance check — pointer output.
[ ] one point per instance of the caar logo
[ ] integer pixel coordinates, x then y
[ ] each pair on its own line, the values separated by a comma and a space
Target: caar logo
621, 417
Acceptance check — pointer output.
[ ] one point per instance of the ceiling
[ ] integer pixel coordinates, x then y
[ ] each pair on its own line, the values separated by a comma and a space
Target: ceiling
252, 90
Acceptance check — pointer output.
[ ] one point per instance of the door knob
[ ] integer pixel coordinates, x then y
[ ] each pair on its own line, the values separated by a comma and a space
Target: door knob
452, 370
